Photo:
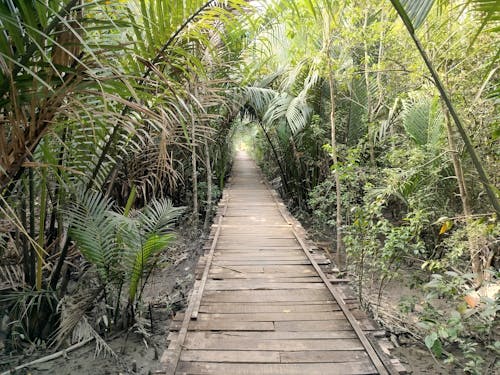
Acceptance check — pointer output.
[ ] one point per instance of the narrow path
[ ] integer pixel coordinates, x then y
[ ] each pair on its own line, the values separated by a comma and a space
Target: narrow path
262, 305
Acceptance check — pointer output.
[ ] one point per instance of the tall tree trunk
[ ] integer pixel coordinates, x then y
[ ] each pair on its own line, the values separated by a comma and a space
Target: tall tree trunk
338, 221
194, 174
286, 187
478, 266
208, 167
369, 110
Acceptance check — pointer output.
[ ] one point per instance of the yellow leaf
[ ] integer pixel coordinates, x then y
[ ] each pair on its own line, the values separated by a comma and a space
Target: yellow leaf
446, 227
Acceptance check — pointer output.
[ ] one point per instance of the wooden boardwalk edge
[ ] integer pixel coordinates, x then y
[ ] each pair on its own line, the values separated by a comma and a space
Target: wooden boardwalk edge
222, 258
382, 367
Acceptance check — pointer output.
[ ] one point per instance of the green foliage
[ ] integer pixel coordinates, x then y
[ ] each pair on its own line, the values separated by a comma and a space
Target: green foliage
32, 314
94, 230
423, 121
450, 321
122, 248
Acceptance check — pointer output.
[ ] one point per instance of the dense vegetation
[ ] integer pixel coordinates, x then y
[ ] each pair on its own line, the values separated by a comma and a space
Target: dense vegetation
378, 120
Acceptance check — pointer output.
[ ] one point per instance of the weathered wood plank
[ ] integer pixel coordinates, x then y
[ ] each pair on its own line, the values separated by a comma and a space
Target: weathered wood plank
247, 343
287, 295
298, 270
322, 356
230, 356
285, 315
274, 335
261, 262
224, 325
266, 285
313, 325
249, 257
250, 280
277, 276
258, 254
235, 308
204, 368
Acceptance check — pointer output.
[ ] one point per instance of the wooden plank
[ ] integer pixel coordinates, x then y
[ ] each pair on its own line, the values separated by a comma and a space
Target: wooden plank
312, 279
256, 235
313, 325
246, 259
274, 335
262, 262
247, 343
204, 368
257, 227
235, 308
277, 276
285, 315
230, 356
255, 241
224, 325
298, 270
258, 252
256, 246
287, 295
252, 256
282, 315
266, 285
172, 355
324, 356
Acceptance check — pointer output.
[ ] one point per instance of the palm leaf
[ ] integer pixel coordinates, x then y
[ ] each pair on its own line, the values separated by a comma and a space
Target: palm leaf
413, 12
141, 260
155, 225
159, 216
93, 229
357, 111
423, 121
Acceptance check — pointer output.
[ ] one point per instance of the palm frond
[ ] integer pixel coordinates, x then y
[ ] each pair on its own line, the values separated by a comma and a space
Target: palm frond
413, 13
423, 121
141, 260
155, 230
259, 98
93, 229
84, 331
357, 111
159, 216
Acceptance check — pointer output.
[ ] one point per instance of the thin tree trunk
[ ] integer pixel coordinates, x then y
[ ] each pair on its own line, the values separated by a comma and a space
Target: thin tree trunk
338, 221
194, 174
32, 231
475, 253
278, 161
478, 266
23, 236
208, 166
368, 97
41, 230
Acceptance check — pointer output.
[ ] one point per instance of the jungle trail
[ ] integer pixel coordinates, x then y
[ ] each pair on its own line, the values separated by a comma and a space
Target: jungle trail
249, 187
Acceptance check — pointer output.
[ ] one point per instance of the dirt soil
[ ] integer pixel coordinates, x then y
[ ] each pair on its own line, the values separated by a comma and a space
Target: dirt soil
165, 294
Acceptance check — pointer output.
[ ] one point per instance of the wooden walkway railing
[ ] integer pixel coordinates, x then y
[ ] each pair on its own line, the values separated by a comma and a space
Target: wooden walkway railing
262, 303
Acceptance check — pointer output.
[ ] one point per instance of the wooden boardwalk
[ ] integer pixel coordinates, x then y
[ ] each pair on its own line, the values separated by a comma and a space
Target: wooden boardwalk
262, 304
